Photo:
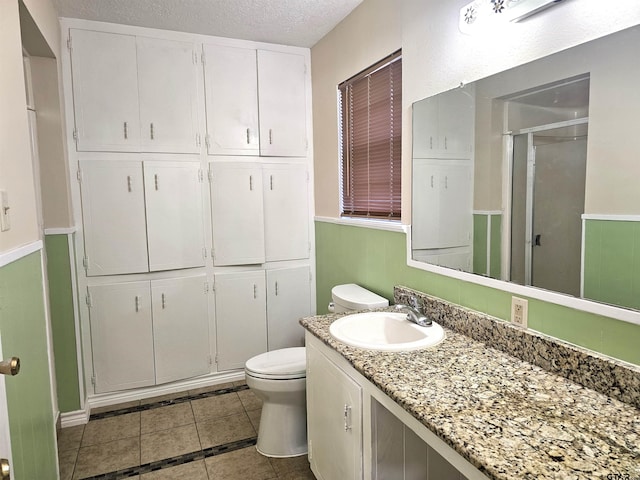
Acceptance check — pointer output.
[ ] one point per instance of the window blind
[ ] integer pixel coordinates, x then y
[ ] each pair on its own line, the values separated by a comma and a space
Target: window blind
371, 118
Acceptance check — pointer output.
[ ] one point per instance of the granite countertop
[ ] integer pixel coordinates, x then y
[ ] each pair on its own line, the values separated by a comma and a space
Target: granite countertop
509, 418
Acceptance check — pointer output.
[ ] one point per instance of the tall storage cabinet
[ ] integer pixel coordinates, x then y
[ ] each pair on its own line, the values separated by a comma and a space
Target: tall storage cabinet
193, 202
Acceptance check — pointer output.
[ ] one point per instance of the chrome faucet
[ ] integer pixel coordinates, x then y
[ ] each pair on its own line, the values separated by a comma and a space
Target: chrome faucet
414, 314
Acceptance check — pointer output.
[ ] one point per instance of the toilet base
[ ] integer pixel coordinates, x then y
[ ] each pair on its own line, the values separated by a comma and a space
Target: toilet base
283, 421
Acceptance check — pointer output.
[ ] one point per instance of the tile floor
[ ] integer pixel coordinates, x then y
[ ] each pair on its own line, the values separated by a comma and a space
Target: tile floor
204, 434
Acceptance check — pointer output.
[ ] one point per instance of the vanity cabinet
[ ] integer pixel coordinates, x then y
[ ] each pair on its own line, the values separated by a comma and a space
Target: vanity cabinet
258, 310
134, 93
256, 102
443, 125
334, 419
260, 212
141, 216
148, 332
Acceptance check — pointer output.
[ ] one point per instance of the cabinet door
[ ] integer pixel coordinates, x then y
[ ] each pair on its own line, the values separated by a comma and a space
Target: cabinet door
288, 300
105, 91
231, 88
335, 420
425, 128
115, 239
121, 336
168, 90
175, 225
456, 114
241, 323
282, 104
180, 328
426, 205
236, 206
286, 212
455, 204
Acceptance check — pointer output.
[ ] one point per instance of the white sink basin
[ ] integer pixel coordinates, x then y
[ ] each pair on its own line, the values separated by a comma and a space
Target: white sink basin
384, 331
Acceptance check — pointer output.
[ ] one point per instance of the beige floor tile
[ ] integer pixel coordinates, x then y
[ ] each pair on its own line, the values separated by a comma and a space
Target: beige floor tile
239, 383
67, 461
210, 388
107, 457
164, 418
187, 471
163, 398
111, 408
112, 428
292, 468
69, 438
225, 429
254, 417
249, 400
244, 464
169, 443
217, 406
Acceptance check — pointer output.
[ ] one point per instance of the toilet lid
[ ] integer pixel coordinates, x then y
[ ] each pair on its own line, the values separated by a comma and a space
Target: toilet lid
283, 364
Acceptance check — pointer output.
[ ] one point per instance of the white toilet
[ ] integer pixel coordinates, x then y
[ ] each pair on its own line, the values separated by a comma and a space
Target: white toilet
278, 378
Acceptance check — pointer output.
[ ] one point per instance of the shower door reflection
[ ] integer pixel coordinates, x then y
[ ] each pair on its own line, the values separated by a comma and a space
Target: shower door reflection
548, 191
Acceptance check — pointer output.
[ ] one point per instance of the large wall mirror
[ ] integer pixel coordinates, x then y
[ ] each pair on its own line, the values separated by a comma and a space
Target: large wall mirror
532, 175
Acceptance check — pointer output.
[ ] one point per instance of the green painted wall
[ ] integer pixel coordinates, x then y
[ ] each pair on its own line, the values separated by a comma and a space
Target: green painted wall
23, 327
376, 259
62, 322
612, 262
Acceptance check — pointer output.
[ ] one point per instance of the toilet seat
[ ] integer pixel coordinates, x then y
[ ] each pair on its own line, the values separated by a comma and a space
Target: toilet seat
283, 364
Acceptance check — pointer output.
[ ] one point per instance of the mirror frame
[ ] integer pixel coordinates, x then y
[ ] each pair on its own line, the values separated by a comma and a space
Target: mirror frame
588, 306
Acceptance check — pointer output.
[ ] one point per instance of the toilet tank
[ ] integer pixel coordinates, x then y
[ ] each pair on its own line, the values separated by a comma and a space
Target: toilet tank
350, 297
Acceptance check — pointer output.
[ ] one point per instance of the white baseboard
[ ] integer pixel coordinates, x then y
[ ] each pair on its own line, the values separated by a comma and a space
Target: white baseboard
72, 419
106, 399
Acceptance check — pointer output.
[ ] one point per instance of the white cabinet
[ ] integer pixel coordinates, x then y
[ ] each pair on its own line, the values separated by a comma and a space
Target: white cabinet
231, 92
238, 218
258, 310
148, 332
141, 216
286, 211
105, 91
121, 336
173, 200
180, 328
256, 102
288, 300
442, 208
168, 88
241, 317
282, 104
334, 418
134, 93
443, 125
260, 212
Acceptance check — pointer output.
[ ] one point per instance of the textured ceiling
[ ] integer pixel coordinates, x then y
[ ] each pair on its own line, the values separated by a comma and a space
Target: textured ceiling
290, 22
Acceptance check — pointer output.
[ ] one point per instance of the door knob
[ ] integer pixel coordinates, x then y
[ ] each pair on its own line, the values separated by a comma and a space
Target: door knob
5, 469
10, 367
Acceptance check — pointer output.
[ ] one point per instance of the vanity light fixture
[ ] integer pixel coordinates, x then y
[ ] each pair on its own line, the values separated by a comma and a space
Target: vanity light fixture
483, 13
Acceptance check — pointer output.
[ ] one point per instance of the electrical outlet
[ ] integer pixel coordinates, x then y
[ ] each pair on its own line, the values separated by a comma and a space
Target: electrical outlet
519, 311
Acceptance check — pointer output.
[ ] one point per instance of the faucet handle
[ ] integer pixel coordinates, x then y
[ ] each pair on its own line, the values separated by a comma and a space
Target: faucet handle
413, 301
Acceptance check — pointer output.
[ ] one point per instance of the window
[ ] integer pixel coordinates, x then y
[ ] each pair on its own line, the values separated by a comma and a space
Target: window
370, 125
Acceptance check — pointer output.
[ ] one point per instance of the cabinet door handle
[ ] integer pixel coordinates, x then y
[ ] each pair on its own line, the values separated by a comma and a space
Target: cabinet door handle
248, 137
270, 137
347, 417
129, 184
255, 291
445, 143
137, 303
431, 181
446, 181
151, 130
155, 181
271, 182
431, 143
276, 289
164, 301
126, 131
251, 182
